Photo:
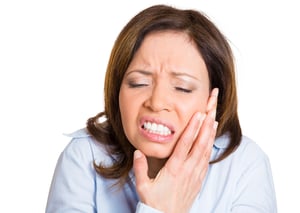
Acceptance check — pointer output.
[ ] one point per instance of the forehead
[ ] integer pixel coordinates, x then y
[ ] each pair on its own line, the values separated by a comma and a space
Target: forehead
168, 50
169, 40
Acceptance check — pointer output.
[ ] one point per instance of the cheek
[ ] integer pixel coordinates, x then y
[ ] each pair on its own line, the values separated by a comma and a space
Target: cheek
191, 106
195, 104
124, 106
129, 108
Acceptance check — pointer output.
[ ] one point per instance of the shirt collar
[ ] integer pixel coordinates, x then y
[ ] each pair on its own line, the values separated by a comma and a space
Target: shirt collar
81, 133
222, 141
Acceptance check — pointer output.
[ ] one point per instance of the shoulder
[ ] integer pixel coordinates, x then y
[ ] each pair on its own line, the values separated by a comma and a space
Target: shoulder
84, 146
79, 142
248, 148
240, 176
249, 151
74, 176
247, 155
250, 160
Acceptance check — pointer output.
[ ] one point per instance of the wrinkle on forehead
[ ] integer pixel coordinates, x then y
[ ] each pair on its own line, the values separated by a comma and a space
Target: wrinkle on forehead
169, 51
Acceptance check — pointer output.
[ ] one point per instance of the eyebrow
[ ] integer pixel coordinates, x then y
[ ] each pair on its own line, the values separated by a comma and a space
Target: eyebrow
183, 74
143, 72
172, 73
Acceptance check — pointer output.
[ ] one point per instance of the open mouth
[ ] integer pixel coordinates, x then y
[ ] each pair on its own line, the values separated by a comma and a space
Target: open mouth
158, 129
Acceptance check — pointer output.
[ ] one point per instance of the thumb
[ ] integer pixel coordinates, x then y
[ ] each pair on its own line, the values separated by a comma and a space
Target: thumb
140, 168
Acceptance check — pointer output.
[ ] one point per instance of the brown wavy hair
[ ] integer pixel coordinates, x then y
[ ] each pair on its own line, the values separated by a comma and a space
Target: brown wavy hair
218, 57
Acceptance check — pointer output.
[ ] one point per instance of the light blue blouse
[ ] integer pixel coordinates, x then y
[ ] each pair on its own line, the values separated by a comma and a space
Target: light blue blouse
240, 183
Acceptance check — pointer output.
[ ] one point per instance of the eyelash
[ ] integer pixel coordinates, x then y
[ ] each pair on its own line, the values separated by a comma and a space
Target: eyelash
134, 85
180, 89
183, 90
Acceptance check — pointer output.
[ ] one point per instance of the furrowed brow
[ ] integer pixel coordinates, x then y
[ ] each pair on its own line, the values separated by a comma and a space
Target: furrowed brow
142, 72
184, 75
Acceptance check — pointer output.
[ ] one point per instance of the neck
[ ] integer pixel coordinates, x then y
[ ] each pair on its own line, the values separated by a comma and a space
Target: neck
154, 166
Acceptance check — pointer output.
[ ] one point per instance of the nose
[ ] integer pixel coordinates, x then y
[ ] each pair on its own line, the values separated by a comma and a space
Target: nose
159, 99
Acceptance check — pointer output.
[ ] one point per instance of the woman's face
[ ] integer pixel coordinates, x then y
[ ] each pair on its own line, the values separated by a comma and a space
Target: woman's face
164, 85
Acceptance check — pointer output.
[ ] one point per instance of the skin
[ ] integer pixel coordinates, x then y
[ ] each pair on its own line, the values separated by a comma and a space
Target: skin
167, 83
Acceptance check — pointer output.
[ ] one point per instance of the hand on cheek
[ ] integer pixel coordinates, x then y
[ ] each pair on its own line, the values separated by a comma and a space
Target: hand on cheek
211, 108
177, 184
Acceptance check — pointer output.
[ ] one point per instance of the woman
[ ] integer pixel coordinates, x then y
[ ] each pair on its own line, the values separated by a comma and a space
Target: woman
171, 139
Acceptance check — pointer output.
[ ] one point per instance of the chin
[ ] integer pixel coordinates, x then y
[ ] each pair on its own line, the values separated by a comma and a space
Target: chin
157, 154
155, 150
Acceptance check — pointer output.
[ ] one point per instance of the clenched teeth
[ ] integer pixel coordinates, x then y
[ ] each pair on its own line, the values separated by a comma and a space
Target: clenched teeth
157, 128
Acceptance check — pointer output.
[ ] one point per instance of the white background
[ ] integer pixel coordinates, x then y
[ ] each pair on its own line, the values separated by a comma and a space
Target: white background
53, 56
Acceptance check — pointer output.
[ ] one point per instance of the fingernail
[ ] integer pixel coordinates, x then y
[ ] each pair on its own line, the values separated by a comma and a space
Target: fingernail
137, 154
215, 126
215, 92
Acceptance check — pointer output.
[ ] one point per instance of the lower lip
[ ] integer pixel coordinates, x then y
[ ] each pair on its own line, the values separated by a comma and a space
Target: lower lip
156, 137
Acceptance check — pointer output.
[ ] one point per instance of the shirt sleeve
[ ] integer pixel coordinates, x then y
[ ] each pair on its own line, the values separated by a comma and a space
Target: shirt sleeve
143, 208
73, 185
255, 189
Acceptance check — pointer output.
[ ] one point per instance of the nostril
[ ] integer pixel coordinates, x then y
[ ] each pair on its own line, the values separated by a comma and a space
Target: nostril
158, 104
159, 99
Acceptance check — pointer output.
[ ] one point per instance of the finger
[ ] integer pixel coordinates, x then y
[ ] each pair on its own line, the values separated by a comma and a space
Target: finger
204, 164
140, 168
201, 153
210, 143
213, 100
204, 141
186, 141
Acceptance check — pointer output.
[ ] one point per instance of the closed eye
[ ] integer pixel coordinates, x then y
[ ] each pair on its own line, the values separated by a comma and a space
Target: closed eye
135, 85
180, 89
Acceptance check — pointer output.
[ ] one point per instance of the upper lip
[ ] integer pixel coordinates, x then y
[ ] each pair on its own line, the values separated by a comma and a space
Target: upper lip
157, 121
